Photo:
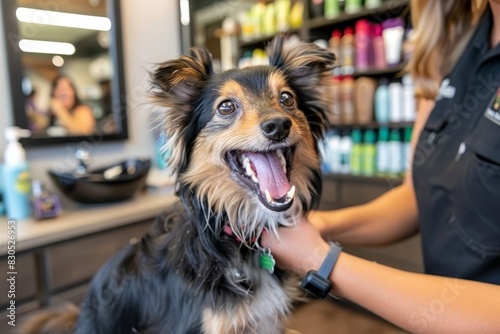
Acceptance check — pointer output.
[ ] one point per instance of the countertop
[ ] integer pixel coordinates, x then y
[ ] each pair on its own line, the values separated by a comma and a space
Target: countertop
84, 219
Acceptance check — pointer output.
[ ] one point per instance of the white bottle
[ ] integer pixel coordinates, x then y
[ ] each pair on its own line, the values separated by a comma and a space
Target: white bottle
396, 148
16, 175
409, 109
396, 98
334, 153
383, 158
345, 154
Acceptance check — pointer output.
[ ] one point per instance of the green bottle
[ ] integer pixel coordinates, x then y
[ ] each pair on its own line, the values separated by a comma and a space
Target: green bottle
352, 6
369, 154
332, 9
356, 152
407, 148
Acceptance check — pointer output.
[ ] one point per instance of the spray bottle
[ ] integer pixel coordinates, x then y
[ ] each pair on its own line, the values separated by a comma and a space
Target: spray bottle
16, 175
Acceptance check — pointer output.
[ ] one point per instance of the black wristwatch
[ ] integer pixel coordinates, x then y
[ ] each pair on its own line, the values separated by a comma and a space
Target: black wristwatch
318, 283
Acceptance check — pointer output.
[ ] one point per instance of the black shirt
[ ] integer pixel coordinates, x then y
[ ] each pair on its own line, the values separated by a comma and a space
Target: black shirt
456, 167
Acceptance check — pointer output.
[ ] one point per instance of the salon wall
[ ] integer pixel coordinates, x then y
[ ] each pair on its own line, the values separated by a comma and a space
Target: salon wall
145, 42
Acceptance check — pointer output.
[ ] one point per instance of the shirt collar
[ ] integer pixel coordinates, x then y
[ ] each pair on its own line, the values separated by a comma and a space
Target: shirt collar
481, 37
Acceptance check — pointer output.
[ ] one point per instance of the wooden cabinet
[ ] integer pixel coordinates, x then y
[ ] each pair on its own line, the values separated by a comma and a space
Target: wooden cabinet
60, 272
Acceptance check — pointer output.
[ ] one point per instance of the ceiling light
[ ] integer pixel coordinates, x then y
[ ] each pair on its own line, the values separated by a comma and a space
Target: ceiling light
58, 61
29, 45
38, 16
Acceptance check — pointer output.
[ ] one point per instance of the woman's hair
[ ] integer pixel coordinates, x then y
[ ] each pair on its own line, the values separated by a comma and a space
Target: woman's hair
55, 82
442, 31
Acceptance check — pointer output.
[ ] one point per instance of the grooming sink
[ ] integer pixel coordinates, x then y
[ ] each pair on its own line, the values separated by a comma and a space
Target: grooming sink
112, 183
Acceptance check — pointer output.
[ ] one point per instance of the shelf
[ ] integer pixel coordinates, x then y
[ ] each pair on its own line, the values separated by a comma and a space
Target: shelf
393, 7
380, 72
373, 125
259, 42
390, 180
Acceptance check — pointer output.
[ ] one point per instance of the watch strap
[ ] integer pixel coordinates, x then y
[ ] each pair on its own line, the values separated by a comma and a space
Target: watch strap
331, 258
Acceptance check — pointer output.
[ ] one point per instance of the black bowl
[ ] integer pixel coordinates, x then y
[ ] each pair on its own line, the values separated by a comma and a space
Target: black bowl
113, 183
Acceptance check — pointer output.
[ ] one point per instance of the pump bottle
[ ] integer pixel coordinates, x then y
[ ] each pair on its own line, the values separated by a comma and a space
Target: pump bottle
16, 176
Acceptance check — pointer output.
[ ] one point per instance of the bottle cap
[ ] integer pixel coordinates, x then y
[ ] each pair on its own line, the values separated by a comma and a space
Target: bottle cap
356, 136
408, 133
377, 29
383, 134
362, 26
337, 33
369, 136
348, 31
383, 81
407, 80
395, 135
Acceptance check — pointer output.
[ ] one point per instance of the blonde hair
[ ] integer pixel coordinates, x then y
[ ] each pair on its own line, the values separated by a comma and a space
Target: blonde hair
442, 30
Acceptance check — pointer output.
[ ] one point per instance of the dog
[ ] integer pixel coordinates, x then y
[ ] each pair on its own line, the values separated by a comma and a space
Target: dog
244, 150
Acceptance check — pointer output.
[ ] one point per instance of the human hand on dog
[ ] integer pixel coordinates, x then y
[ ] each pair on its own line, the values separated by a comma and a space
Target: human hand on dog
298, 249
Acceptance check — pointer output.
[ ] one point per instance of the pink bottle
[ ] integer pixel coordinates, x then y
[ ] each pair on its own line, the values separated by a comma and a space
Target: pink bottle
362, 44
378, 47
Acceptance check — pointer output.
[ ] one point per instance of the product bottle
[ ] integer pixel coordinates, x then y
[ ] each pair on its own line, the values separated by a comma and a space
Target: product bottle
347, 97
369, 154
362, 45
378, 47
409, 105
382, 104
383, 152
332, 9
372, 3
356, 152
16, 175
345, 154
45, 205
335, 48
2, 207
317, 7
347, 48
364, 92
393, 40
282, 11
352, 6
396, 97
395, 152
407, 158
335, 113
335, 153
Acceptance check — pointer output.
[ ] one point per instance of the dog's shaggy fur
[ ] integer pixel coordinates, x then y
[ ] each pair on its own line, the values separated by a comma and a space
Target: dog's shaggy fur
197, 270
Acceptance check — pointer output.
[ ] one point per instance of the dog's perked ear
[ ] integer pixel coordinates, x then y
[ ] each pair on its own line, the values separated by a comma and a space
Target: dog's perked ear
177, 85
307, 69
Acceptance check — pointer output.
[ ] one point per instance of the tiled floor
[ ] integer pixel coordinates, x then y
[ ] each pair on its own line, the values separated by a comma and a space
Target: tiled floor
326, 317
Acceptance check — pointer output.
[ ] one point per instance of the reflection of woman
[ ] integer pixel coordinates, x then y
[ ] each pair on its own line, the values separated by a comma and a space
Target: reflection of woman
37, 120
68, 111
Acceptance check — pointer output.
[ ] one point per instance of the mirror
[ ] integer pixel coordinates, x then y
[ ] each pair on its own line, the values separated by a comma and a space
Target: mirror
66, 70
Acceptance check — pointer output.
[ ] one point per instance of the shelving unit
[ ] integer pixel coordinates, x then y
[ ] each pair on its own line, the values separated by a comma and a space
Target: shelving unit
373, 125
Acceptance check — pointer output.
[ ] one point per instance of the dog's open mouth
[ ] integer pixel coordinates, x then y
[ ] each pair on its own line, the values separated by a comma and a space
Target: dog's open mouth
268, 174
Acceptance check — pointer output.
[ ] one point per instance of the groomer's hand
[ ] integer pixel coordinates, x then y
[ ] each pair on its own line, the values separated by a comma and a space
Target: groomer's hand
298, 249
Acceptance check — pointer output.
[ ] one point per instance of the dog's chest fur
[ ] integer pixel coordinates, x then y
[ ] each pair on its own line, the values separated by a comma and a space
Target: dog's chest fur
263, 311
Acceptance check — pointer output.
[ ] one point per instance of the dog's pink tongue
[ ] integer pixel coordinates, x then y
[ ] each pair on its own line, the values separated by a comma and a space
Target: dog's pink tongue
270, 174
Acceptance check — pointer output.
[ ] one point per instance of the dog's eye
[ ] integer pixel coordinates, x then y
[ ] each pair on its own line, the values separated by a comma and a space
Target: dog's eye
287, 100
226, 108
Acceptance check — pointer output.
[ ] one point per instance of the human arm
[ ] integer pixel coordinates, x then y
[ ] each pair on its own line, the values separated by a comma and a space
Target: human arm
415, 302
79, 122
388, 218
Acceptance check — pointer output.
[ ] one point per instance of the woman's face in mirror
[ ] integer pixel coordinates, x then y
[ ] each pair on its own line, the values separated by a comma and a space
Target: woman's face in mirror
64, 93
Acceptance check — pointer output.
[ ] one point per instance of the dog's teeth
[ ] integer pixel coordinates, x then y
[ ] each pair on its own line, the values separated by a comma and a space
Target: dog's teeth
282, 159
255, 179
291, 192
246, 160
249, 170
269, 198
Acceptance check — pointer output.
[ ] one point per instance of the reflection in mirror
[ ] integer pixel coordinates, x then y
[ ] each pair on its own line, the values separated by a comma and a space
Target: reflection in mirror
67, 67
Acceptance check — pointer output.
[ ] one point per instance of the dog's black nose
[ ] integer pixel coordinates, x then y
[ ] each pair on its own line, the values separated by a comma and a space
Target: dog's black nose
277, 128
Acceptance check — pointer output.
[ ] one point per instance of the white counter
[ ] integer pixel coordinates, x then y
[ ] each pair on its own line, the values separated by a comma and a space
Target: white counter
83, 220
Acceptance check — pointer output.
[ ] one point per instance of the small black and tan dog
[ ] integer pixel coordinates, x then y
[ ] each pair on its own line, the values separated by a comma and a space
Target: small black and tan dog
244, 148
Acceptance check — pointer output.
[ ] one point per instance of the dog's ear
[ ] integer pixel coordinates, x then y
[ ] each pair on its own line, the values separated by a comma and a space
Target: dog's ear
177, 85
307, 69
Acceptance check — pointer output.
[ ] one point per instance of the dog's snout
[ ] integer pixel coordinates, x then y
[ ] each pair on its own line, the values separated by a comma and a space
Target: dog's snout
277, 128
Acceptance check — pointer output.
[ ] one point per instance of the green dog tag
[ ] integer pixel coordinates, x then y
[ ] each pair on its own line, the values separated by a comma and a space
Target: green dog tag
266, 260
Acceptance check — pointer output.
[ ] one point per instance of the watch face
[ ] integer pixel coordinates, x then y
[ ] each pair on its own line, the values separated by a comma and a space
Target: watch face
316, 285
